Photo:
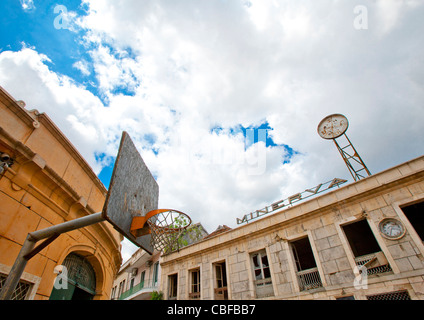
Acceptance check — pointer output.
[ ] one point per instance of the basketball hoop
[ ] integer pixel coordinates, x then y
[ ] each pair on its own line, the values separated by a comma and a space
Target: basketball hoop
165, 226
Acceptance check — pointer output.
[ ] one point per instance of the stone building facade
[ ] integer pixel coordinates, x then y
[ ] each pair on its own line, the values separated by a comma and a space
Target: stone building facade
361, 241
47, 183
138, 277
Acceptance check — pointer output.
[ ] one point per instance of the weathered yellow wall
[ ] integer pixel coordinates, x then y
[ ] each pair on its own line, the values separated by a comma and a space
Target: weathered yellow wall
48, 184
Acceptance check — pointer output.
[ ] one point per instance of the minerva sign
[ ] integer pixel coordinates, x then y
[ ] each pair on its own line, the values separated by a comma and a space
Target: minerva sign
293, 199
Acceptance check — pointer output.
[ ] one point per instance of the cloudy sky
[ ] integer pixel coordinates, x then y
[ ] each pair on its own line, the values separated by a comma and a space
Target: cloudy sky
222, 97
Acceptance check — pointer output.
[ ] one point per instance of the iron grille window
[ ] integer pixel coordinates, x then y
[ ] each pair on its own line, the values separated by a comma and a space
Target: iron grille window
21, 290
396, 295
80, 272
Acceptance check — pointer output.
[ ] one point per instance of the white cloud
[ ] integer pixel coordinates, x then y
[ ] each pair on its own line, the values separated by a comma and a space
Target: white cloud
83, 66
27, 5
390, 13
74, 109
197, 65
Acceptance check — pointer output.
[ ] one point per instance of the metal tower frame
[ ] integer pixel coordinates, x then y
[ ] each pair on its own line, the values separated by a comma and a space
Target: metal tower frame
354, 163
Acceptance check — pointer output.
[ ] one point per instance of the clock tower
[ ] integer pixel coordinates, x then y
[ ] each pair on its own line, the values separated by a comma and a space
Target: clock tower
334, 127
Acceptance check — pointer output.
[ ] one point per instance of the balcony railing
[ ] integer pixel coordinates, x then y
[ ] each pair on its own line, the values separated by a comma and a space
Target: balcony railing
309, 279
144, 286
375, 263
194, 295
221, 293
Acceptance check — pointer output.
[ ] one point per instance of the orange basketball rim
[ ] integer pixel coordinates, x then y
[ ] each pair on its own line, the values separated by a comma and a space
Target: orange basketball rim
165, 225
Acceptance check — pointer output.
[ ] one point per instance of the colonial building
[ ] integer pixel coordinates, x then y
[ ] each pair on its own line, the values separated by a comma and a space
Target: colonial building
361, 241
44, 181
140, 275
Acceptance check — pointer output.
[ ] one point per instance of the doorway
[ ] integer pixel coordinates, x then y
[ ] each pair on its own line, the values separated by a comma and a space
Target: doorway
77, 280
220, 290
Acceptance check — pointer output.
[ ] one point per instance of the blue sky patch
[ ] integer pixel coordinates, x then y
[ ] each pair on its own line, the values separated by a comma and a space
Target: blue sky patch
254, 134
106, 174
38, 28
43, 28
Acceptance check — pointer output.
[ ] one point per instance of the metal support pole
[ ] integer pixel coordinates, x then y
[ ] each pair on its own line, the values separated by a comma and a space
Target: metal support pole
17, 269
67, 226
28, 251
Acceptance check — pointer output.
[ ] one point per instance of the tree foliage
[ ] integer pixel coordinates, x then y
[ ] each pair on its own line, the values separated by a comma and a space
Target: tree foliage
189, 235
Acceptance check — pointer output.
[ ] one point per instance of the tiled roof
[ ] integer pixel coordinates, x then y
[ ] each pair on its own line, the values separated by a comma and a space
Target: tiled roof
219, 230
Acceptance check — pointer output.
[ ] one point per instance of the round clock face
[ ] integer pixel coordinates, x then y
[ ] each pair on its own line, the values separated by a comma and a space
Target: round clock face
332, 126
391, 228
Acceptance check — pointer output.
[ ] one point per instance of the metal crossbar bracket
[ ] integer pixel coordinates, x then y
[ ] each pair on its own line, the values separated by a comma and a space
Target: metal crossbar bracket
41, 246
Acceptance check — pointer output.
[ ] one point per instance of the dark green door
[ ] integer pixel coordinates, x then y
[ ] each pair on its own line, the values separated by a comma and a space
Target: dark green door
77, 280
63, 293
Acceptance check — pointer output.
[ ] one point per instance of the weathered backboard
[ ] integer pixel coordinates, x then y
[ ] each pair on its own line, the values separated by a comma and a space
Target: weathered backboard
133, 191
